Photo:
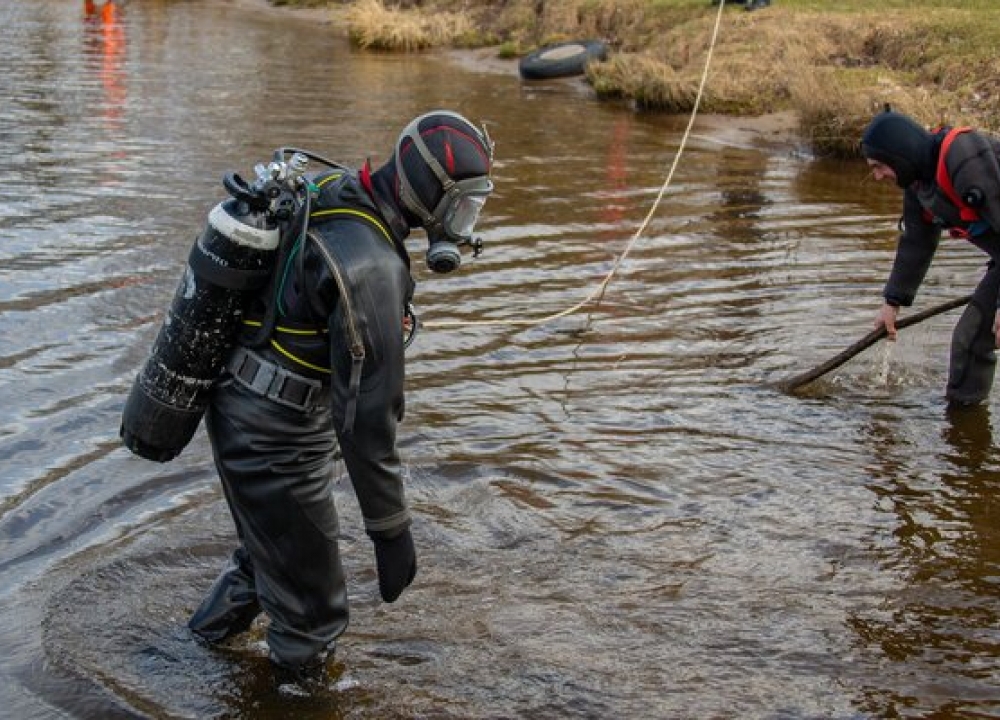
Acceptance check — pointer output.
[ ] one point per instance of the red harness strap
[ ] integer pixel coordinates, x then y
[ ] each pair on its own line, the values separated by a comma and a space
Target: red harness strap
967, 213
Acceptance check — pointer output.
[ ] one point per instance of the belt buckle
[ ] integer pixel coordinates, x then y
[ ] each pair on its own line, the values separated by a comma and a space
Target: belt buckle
270, 379
278, 380
310, 399
281, 379
263, 378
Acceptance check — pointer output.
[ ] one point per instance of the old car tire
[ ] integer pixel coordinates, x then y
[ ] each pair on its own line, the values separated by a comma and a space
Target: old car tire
562, 59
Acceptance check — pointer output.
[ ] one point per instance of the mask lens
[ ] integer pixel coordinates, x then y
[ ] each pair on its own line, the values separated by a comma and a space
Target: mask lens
463, 214
464, 203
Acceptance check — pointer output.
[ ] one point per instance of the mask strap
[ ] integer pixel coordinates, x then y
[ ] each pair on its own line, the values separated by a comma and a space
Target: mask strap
406, 191
410, 199
432, 163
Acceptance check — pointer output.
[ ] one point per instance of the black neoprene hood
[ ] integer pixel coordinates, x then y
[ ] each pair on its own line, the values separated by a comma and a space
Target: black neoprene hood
901, 143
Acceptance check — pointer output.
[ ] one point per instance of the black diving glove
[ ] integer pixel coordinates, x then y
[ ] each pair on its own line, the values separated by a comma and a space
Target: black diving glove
396, 560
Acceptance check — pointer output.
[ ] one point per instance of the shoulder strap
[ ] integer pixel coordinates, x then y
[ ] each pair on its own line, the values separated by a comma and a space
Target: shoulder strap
967, 213
352, 212
270, 297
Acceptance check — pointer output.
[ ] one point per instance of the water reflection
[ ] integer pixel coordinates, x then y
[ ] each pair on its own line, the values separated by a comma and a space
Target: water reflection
936, 634
104, 53
613, 209
741, 187
616, 515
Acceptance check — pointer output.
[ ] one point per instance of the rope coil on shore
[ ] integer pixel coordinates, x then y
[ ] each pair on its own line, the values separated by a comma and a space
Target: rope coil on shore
599, 291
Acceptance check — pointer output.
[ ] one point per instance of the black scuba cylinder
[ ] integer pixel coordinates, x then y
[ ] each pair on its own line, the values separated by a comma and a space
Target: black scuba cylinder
233, 256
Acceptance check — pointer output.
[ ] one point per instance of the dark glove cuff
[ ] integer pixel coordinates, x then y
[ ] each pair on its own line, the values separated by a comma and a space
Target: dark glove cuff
388, 525
390, 534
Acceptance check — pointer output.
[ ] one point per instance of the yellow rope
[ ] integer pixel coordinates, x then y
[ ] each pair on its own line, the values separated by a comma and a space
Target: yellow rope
598, 293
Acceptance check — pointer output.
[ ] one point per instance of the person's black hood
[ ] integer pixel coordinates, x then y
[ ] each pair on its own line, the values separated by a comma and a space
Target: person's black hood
903, 144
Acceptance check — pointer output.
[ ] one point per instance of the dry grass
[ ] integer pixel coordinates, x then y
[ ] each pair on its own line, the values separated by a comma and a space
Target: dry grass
646, 81
372, 25
834, 70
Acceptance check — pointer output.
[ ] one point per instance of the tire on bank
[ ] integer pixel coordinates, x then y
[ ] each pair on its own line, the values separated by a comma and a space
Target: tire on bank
561, 59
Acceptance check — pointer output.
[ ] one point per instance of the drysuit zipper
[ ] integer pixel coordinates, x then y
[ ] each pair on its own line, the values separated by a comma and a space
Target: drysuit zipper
357, 348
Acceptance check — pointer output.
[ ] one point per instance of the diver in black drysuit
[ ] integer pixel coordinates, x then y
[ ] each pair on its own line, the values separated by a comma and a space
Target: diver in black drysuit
297, 388
951, 181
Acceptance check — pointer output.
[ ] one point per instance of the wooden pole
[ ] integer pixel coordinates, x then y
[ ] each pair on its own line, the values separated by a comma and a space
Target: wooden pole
790, 384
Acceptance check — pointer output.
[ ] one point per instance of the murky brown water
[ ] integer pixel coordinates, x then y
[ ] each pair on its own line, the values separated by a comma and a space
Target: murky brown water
616, 515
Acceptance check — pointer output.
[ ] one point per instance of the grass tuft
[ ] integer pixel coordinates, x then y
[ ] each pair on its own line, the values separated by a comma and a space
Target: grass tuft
373, 26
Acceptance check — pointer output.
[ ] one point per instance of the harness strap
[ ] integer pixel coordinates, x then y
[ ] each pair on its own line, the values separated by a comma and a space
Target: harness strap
328, 212
966, 213
353, 387
272, 381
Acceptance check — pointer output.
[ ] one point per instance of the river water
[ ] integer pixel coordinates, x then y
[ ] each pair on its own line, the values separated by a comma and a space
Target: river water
617, 513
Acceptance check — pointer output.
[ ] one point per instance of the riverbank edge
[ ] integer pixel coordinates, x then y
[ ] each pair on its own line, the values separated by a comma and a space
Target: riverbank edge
779, 131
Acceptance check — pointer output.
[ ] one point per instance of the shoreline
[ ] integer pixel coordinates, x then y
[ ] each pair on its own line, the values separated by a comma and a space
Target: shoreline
834, 67
779, 131
321, 15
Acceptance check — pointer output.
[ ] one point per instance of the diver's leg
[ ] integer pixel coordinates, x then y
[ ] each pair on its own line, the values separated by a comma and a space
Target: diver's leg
231, 604
278, 473
973, 345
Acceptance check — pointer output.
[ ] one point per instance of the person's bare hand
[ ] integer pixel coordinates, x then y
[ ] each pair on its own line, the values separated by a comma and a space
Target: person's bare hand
886, 318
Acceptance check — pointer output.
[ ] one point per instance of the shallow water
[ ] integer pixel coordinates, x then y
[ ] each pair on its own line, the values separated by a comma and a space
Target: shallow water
617, 514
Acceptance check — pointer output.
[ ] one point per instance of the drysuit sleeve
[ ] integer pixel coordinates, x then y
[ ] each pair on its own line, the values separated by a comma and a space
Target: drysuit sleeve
915, 249
975, 175
368, 409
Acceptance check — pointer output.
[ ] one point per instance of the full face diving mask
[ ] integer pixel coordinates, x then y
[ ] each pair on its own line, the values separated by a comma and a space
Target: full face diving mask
451, 224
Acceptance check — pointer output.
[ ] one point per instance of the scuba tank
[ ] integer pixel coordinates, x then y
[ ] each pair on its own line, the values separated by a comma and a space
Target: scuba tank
231, 260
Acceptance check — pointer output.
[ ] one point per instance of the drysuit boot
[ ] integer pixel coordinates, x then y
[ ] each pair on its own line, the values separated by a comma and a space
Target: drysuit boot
305, 675
973, 346
231, 604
